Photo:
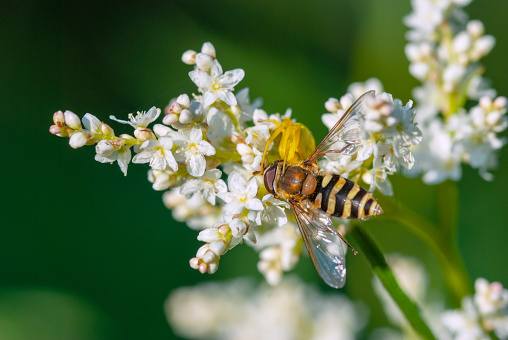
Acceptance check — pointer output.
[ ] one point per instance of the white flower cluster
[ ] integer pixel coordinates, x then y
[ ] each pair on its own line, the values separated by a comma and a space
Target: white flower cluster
444, 50
218, 133
237, 310
388, 132
485, 312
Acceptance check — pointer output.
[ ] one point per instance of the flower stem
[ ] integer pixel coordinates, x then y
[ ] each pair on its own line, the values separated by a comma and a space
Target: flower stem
376, 259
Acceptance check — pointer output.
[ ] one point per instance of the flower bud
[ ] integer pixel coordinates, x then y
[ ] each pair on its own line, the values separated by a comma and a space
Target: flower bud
107, 130
204, 62
209, 256
475, 28
184, 101
59, 119
189, 57
194, 263
218, 247
78, 140
143, 134
175, 108
162, 182
170, 119
208, 49
485, 103
212, 267
54, 130
332, 105
186, 117
483, 46
72, 120
462, 42
104, 148
203, 268
500, 103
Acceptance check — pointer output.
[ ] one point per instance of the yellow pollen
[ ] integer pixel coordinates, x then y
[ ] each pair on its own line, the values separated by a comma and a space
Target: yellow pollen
160, 149
216, 86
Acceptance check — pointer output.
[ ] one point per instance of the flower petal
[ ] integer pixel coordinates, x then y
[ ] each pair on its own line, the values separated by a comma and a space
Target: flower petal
196, 165
232, 208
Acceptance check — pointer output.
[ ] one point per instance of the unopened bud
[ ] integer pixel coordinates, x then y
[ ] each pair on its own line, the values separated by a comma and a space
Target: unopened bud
143, 134
475, 28
204, 62
184, 101
104, 148
59, 119
209, 257
170, 119
162, 182
189, 57
176, 108
500, 103
72, 120
194, 263
203, 268
78, 140
218, 247
186, 117
212, 267
485, 103
208, 49
107, 130
332, 105
54, 130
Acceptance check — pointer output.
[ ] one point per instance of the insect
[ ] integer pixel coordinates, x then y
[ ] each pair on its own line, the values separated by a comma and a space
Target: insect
315, 196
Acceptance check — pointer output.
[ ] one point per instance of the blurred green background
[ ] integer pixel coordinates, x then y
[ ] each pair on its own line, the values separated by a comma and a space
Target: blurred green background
86, 253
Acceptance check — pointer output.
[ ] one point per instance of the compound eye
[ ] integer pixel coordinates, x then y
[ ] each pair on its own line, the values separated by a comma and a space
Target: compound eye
269, 177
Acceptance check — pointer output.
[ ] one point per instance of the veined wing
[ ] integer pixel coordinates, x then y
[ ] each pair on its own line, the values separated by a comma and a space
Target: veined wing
344, 137
324, 244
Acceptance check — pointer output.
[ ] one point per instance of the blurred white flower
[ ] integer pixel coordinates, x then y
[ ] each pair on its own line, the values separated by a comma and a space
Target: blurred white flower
237, 310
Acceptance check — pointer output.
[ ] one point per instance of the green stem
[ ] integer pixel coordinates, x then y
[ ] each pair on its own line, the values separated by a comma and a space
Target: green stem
376, 259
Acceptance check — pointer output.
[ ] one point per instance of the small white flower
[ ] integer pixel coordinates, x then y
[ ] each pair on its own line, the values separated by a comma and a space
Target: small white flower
209, 185
141, 119
274, 212
193, 150
110, 151
241, 195
157, 153
217, 85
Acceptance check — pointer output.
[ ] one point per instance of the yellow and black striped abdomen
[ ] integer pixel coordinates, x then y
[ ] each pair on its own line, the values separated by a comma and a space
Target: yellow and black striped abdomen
341, 197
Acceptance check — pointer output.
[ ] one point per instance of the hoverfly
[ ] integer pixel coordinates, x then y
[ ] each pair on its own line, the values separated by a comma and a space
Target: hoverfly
315, 196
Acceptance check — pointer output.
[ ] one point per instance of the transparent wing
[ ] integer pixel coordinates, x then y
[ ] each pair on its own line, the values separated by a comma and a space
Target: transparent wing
324, 244
344, 137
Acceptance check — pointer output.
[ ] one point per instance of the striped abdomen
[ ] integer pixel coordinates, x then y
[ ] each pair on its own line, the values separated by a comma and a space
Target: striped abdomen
341, 197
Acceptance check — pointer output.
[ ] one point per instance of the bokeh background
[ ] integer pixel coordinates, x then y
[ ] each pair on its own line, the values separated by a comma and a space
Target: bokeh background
86, 253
